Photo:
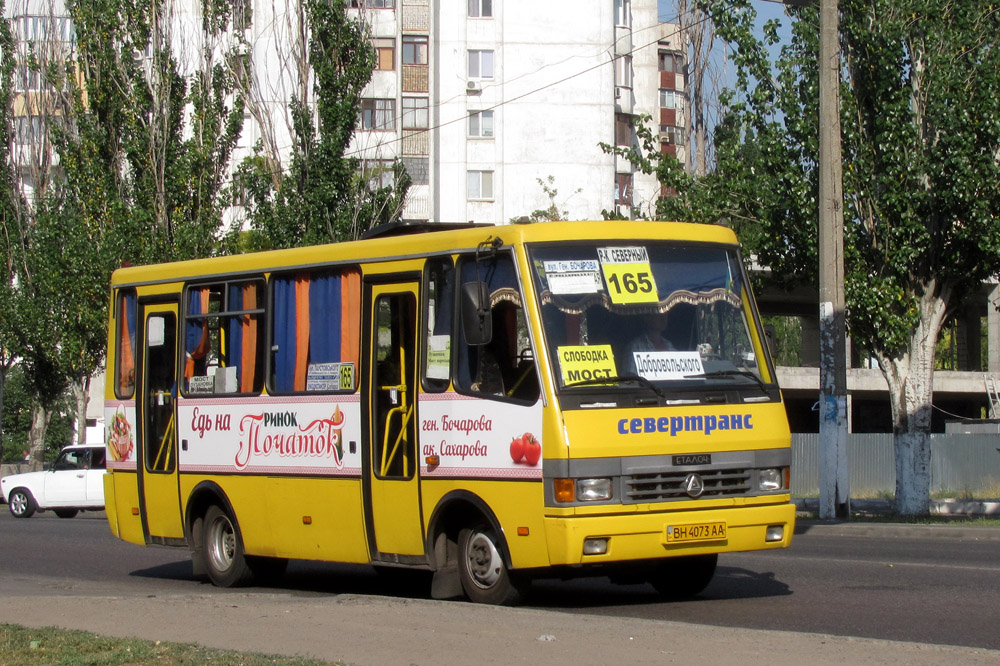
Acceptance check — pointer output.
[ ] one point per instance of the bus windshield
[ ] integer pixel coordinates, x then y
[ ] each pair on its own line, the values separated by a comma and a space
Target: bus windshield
659, 316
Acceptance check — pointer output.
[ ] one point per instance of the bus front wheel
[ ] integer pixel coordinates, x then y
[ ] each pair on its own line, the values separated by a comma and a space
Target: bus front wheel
485, 578
223, 554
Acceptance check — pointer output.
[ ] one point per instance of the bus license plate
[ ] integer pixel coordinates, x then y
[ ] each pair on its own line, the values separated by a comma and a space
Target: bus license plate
696, 532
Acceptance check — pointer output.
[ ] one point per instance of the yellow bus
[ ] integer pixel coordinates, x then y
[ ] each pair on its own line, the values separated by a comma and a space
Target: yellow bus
490, 404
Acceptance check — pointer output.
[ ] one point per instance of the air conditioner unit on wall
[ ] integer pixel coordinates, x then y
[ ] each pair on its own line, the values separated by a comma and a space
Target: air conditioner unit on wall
473, 86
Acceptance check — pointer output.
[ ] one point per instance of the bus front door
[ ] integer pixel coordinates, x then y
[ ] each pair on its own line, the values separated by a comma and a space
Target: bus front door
392, 484
157, 446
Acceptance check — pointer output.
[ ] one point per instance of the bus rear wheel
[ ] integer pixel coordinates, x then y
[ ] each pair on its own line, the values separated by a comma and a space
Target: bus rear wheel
485, 578
683, 577
223, 554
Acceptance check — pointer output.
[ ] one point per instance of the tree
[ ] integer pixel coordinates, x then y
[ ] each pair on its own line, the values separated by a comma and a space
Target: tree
324, 195
920, 110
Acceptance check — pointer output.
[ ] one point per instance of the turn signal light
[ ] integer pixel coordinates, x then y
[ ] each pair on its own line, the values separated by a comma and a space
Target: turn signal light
565, 491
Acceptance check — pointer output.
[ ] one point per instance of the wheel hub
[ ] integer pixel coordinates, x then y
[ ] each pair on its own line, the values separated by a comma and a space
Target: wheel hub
485, 564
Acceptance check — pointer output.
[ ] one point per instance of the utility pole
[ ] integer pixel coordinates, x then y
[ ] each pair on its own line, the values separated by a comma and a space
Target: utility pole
834, 495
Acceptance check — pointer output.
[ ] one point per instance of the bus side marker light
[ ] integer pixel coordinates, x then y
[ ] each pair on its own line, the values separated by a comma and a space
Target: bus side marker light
135, 511
774, 533
307, 520
522, 531
565, 490
432, 461
595, 546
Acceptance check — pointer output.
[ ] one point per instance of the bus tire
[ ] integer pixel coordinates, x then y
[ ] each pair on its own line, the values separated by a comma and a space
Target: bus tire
66, 513
683, 577
21, 503
222, 549
485, 578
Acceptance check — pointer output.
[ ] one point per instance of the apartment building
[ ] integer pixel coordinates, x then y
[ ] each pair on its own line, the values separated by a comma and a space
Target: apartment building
493, 104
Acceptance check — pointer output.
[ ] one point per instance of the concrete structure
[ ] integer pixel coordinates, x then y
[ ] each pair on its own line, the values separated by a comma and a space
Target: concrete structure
965, 383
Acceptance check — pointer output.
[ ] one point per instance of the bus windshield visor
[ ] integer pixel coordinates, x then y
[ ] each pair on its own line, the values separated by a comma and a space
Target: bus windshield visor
664, 315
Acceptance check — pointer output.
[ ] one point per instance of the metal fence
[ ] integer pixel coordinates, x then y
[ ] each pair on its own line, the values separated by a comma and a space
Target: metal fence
962, 465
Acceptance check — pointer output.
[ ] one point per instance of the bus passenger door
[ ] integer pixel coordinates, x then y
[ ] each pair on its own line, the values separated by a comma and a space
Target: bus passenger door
157, 446
392, 484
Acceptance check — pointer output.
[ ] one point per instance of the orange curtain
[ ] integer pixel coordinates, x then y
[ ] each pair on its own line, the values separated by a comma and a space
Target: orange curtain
301, 330
248, 362
350, 318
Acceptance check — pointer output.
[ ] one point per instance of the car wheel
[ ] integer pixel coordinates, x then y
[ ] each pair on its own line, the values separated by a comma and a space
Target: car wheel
485, 578
21, 503
683, 577
223, 550
65, 513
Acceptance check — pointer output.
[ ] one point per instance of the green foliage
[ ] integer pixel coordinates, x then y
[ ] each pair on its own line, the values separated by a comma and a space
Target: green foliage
19, 404
322, 198
921, 130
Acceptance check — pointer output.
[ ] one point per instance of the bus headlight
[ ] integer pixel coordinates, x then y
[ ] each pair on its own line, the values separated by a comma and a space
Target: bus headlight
770, 478
593, 490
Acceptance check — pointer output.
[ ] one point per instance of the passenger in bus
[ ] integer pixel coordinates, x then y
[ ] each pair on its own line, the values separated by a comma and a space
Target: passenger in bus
651, 339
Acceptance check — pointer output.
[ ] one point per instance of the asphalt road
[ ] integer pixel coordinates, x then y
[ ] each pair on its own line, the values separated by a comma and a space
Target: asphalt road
932, 586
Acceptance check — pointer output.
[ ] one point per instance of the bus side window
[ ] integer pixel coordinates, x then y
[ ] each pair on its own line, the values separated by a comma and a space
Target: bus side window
439, 304
505, 367
316, 331
125, 322
224, 338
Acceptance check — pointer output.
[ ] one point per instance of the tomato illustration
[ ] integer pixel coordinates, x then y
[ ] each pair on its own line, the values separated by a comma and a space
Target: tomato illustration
517, 449
532, 449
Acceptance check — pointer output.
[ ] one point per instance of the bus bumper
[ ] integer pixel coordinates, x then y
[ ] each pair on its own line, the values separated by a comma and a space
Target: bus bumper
597, 540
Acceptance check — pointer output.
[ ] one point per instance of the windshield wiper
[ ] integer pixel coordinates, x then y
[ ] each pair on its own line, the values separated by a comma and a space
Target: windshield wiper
619, 379
730, 373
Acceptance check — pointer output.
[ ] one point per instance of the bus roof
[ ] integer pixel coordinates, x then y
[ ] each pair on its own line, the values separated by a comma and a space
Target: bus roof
416, 240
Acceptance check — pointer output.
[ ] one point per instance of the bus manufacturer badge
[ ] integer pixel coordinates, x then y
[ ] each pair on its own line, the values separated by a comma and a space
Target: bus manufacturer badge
693, 485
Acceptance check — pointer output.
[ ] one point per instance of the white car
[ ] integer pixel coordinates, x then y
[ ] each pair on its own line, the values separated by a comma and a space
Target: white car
74, 482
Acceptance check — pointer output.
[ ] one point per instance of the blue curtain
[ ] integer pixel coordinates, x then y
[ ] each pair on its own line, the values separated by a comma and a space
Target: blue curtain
284, 334
324, 318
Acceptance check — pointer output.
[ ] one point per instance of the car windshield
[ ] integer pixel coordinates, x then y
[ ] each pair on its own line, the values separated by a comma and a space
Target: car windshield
646, 316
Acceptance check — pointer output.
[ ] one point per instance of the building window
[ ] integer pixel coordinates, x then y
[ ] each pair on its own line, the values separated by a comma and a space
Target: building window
672, 135
28, 130
623, 71
480, 64
385, 54
414, 49
669, 99
414, 113
480, 8
671, 62
623, 130
44, 28
623, 13
378, 173
371, 4
481, 124
480, 185
29, 79
623, 189
378, 114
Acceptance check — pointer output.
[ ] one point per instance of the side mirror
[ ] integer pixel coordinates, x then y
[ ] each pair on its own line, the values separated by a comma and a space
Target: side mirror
477, 319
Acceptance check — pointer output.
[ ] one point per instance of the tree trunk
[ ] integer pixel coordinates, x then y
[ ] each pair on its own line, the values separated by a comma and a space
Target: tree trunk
911, 392
81, 391
36, 437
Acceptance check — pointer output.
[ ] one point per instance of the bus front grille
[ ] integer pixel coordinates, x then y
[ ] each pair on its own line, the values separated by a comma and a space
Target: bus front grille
672, 485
